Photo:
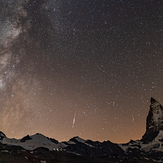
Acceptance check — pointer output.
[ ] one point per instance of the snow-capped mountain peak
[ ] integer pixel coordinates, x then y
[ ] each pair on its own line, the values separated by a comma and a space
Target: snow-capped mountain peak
32, 142
154, 121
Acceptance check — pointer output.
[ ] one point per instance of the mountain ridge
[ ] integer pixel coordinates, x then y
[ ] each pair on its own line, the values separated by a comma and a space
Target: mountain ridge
150, 146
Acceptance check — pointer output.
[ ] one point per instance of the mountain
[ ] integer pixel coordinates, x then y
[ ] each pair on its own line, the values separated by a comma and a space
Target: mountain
32, 142
39, 148
151, 144
75, 145
92, 148
154, 123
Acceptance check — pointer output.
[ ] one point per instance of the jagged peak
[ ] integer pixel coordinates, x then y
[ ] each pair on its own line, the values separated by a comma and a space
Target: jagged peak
25, 138
153, 100
157, 110
2, 134
154, 121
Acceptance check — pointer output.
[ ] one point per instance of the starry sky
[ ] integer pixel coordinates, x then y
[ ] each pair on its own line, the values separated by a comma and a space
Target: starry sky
84, 68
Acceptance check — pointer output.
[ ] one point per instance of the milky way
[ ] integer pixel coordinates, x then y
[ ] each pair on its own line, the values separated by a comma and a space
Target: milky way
79, 68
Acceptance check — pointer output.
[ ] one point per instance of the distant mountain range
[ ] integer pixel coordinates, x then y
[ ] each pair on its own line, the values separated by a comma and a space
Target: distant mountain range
39, 148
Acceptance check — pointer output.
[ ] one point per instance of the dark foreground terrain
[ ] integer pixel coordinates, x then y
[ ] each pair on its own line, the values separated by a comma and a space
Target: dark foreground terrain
13, 154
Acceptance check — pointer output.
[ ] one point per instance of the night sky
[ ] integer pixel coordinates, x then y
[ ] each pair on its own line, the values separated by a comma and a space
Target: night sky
84, 68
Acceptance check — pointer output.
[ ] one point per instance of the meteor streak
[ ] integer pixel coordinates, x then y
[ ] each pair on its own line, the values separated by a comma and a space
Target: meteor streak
73, 122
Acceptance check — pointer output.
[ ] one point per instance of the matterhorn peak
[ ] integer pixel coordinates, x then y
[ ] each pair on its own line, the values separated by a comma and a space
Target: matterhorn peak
154, 123
153, 100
